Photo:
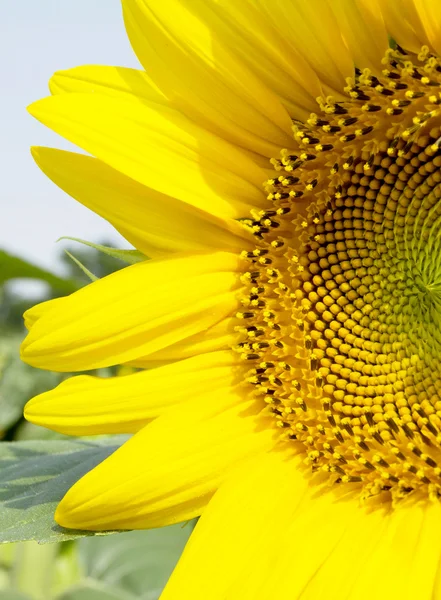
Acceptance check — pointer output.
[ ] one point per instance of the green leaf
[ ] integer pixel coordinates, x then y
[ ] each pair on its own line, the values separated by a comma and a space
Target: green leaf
138, 562
34, 476
13, 267
93, 591
128, 256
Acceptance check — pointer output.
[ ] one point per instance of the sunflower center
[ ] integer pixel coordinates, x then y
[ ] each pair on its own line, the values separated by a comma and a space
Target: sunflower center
342, 322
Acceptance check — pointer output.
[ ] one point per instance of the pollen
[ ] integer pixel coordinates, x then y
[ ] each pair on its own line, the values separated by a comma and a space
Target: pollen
342, 321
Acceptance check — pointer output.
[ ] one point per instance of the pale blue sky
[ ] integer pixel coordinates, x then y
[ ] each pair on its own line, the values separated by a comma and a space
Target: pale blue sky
38, 37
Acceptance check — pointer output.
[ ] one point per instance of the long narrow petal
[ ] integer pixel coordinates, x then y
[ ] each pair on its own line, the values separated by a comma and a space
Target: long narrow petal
218, 89
160, 149
240, 531
32, 315
410, 545
363, 29
130, 84
133, 312
86, 405
403, 23
429, 13
168, 471
406, 539
413, 23
239, 43
154, 223
222, 336
309, 48
119, 82
270, 535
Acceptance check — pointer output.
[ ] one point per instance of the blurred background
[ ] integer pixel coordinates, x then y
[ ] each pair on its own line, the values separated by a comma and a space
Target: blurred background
36, 39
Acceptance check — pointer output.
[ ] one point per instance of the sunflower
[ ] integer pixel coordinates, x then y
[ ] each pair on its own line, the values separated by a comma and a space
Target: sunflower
279, 163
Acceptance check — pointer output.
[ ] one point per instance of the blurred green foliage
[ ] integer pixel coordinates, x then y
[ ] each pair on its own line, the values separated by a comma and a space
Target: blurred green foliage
13, 267
37, 466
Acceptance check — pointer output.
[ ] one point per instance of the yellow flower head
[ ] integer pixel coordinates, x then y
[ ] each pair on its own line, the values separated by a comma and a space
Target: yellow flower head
288, 333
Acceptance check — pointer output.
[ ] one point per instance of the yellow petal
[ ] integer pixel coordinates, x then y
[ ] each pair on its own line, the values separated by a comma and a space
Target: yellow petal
375, 553
86, 405
270, 534
413, 23
410, 547
154, 223
312, 46
239, 41
130, 84
160, 149
32, 315
133, 312
238, 534
429, 13
402, 22
168, 471
222, 336
118, 82
218, 89
363, 30
437, 583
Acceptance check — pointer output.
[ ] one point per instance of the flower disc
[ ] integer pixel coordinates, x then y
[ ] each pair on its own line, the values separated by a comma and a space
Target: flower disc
343, 315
